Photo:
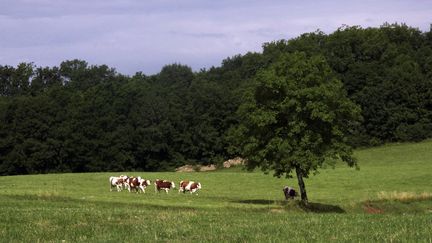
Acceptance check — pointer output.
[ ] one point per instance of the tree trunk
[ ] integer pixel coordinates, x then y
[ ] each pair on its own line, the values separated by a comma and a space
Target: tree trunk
301, 185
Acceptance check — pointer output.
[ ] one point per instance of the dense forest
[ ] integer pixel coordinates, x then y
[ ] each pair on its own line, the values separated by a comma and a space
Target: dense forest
79, 117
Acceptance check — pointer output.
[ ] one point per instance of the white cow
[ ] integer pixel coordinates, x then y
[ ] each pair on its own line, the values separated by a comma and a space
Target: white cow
143, 183
118, 182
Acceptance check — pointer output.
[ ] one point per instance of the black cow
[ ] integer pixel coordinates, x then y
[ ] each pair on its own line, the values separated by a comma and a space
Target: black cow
289, 192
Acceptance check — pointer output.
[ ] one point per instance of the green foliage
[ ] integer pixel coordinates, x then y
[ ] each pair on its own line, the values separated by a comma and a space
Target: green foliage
385, 70
82, 117
295, 117
15, 81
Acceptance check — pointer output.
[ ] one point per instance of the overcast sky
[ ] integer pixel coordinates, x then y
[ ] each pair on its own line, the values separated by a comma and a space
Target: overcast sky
144, 35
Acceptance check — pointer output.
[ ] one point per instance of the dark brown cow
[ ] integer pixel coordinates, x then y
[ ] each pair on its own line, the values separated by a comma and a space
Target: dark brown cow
163, 185
190, 186
133, 183
289, 192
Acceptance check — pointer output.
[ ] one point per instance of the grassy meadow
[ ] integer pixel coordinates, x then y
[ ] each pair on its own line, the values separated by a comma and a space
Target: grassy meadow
388, 199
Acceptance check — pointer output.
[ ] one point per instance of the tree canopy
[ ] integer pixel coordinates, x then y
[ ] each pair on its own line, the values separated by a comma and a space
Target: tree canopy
297, 116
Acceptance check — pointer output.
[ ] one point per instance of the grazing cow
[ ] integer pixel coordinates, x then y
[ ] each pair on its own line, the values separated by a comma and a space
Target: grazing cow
289, 192
133, 183
163, 185
190, 186
143, 183
137, 183
117, 182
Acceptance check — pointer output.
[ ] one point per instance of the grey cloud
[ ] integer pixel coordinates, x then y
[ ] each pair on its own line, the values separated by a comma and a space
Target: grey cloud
137, 35
199, 35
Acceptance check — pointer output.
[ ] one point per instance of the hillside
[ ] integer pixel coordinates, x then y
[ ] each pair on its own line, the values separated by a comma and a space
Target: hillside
389, 198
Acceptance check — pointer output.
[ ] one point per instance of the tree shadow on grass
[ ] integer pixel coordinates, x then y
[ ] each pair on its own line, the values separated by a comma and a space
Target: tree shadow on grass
296, 204
257, 201
320, 208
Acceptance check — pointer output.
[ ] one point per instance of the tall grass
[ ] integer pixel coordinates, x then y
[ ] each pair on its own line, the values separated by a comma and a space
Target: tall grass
404, 196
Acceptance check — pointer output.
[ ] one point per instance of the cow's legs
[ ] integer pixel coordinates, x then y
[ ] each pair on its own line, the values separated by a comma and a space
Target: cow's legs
111, 184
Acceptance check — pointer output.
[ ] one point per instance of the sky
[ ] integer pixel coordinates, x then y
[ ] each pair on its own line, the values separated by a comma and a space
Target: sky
144, 35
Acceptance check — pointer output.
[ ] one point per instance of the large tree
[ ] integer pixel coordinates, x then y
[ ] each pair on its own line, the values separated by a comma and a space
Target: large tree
294, 118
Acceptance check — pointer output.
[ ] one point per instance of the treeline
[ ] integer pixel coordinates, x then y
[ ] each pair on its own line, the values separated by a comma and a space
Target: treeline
79, 117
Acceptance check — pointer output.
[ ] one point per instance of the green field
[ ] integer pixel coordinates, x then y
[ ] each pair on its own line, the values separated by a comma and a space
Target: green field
388, 199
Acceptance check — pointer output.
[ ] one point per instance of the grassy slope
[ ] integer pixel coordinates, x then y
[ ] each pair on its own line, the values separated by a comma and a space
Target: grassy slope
233, 205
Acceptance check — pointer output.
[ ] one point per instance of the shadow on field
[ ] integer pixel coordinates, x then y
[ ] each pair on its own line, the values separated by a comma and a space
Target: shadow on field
320, 208
43, 198
310, 207
257, 201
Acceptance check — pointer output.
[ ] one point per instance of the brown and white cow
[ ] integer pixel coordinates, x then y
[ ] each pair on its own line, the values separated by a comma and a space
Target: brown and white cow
163, 185
133, 183
190, 186
143, 183
118, 182
137, 184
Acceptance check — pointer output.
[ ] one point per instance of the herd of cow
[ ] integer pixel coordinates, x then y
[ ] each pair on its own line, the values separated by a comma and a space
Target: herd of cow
139, 184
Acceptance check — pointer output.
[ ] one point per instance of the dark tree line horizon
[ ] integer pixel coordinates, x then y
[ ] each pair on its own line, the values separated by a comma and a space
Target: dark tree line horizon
83, 118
